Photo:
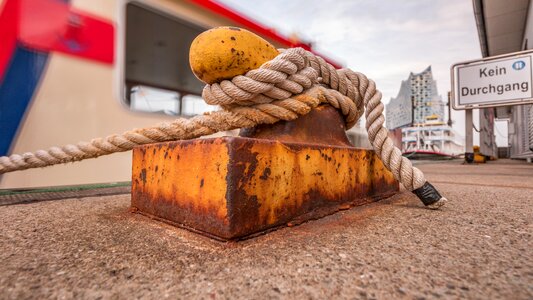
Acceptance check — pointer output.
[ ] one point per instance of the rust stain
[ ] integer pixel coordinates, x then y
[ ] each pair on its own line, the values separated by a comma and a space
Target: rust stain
253, 185
188, 185
303, 178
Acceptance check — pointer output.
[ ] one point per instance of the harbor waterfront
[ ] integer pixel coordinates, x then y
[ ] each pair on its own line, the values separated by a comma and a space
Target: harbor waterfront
233, 149
437, 140
416, 119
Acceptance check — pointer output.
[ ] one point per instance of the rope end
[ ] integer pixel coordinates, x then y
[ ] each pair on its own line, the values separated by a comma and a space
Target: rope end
436, 205
429, 195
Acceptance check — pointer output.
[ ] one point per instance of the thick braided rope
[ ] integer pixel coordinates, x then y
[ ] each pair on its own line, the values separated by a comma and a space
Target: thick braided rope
282, 89
348, 91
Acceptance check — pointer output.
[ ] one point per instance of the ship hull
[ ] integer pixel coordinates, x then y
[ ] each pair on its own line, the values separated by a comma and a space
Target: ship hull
429, 155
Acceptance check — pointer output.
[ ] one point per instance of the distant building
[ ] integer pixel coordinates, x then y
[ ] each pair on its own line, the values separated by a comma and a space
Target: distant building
433, 139
417, 100
416, 120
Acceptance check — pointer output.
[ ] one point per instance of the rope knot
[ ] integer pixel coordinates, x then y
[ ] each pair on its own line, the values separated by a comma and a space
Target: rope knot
287, 74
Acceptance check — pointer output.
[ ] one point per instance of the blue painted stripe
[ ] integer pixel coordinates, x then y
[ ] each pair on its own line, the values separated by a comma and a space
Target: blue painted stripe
16, 92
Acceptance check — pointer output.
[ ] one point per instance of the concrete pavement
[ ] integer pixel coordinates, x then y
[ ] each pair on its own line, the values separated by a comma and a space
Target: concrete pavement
479, 246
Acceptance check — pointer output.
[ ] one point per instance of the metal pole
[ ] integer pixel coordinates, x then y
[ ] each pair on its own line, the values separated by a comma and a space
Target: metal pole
449, 109
469, 137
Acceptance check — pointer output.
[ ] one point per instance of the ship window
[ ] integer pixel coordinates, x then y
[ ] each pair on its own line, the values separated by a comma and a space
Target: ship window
156, 73
149, 99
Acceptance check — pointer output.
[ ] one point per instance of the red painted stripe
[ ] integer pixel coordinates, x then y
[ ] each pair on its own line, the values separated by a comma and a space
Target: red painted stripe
8, 34
51, 25
254, 26
427, 152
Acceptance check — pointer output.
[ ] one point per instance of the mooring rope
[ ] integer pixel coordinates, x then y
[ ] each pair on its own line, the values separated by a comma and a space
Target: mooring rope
284, 88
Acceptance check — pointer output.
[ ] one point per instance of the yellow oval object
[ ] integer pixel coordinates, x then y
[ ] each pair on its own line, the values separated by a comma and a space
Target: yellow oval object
225, 52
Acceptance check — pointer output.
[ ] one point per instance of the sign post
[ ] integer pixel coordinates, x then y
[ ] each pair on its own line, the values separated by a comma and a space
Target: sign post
490, 82
469, 136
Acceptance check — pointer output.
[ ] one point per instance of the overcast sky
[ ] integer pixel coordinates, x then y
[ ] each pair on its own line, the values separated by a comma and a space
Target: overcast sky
385, 40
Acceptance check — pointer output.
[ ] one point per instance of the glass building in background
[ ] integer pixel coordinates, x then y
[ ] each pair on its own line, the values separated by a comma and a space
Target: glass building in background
416, 101
415, 119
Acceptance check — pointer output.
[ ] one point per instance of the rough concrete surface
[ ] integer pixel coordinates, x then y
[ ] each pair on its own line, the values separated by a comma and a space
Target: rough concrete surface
477, 247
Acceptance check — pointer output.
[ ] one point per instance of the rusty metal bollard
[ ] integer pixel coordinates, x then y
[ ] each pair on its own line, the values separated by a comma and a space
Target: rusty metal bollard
270, 176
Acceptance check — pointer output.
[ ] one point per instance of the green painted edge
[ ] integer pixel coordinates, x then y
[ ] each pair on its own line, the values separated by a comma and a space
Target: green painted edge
69, 188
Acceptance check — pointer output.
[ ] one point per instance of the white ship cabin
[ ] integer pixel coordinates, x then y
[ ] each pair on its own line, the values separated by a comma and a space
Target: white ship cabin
433, 137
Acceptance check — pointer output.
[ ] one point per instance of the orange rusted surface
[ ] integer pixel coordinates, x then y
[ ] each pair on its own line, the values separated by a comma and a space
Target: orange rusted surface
183, 182
233, 187
272, 175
